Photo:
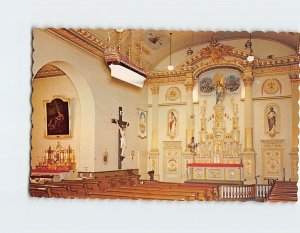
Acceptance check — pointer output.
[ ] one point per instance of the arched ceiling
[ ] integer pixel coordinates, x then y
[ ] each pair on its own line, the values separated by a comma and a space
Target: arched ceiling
156, 44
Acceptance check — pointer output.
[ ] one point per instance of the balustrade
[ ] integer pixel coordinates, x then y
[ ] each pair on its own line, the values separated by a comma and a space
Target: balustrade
243, 192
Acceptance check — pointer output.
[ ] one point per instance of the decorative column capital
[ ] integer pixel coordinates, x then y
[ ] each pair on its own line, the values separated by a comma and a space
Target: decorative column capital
154, 89
294, 77
189, 84
248, 79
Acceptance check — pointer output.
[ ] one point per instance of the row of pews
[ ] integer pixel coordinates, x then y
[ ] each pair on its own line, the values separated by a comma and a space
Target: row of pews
124, 187
283, 191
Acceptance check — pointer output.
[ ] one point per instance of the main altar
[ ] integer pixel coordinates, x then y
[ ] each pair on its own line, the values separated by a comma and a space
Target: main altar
217, 155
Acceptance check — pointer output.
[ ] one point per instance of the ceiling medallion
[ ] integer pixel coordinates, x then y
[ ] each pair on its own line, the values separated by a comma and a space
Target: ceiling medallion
173, 93
271, 86
215, 50
155, 39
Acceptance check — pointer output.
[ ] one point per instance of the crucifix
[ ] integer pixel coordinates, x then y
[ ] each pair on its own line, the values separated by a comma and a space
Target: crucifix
121, 136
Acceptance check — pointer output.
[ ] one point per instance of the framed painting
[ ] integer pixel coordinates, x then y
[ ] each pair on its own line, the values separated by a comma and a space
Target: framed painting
57, 118
142, 127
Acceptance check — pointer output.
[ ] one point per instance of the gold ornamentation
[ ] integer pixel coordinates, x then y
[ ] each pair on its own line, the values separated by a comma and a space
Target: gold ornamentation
166, 73
277, 69
241, 55
294, 77
208, 65
81, 42
273, 166
215, 50
173, 93
91, 38
248, 80
49, 71
189, 84
174, 79
154, 89
272, 152
271, 86
58, 158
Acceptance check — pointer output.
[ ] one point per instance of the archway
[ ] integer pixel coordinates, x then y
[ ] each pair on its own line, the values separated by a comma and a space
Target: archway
86, 150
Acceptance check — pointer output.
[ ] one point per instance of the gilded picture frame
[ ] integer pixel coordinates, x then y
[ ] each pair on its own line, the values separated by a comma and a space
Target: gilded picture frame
142, 126
57, 118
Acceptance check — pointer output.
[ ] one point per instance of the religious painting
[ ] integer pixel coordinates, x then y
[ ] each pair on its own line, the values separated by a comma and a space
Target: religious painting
218, 81
142, 125
172, 124
57, 118
272, 119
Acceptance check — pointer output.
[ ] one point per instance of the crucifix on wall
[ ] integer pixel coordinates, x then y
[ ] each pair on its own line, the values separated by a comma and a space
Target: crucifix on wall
121, 137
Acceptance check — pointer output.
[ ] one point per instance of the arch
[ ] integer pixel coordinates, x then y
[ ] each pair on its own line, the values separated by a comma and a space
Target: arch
212, 66
87, 118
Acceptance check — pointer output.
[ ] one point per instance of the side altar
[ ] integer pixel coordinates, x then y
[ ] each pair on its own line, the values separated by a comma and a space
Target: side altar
217, 155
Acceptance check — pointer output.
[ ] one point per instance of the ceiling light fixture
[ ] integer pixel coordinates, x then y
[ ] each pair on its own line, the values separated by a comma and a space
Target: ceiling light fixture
170, 67
189, 52
248, 45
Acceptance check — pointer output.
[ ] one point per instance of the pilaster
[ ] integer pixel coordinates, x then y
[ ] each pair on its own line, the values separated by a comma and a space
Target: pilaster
153, 164
294, 78
248, 155
189, 86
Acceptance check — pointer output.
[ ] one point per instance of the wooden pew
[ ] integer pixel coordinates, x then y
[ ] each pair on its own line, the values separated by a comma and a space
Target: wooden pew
39, 192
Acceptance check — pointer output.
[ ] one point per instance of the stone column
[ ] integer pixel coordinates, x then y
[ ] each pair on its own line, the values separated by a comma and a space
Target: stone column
294, 78
154, 153
189, 86
248, 155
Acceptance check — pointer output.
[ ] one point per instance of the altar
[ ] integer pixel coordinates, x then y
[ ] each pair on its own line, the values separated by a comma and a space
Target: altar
215, 172
217, 155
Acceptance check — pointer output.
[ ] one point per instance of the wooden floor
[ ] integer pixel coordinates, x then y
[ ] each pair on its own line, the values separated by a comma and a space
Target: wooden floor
284, 191
125, 187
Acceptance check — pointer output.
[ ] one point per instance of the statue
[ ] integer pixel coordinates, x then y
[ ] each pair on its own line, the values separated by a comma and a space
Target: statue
272, 119
172, 125
220, 88
122, 129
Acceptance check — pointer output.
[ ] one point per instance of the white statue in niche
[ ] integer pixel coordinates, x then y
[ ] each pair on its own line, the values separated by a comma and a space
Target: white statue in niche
172, 124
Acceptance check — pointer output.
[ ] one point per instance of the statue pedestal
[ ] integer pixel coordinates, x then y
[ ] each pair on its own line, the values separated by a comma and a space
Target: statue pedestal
294, 164
187, 157
248, 160
154, 163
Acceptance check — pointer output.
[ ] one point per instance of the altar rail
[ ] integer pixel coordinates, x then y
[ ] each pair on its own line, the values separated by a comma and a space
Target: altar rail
262, 191
244, 192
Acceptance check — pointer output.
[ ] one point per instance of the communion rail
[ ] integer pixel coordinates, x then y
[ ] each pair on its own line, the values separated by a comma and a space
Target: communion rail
243, 192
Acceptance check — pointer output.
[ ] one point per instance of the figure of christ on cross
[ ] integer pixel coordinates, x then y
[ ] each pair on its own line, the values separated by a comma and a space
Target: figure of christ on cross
122, 137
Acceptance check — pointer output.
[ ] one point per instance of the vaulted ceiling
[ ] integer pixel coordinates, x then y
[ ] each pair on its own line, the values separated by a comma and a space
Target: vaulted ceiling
148, 48
156, 44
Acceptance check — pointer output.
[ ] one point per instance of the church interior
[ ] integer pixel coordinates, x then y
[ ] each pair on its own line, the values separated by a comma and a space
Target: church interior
164, 115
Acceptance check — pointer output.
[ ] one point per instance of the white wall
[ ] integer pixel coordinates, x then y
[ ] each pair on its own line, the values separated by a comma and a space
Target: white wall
100, 97
285, 119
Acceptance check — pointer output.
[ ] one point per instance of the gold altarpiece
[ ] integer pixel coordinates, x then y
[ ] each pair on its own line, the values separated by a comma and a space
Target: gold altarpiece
217, 155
